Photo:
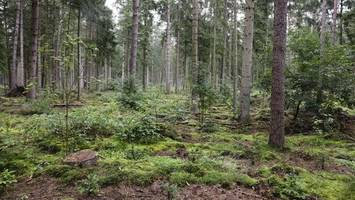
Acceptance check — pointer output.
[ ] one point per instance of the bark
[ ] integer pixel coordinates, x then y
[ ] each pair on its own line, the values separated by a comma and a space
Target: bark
134, 42
235, 69
277, 134
177, 71
80, 70
144, 65
13, 76
341, 23
35, 22
246, 82
334, 29
323, 26
20, 64
195, 64
57, 53
214, 68
167, 53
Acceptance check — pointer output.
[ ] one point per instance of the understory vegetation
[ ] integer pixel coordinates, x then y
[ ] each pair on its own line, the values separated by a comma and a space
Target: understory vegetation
160, 141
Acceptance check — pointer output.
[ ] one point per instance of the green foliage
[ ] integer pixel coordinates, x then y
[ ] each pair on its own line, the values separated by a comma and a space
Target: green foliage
6, 178
130, 96
90, 185
139, 130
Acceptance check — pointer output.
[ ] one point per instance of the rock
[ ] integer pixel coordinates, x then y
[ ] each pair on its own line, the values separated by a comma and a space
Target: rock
85, 157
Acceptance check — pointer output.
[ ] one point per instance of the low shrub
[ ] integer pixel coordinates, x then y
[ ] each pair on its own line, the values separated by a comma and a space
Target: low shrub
90, 186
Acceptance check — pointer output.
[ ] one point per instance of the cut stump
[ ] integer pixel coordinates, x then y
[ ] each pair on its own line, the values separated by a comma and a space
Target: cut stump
85, 157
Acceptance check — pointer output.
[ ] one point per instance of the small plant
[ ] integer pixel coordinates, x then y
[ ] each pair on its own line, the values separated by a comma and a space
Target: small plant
6, 178
130, 96
90, 186
171, 189
140, 130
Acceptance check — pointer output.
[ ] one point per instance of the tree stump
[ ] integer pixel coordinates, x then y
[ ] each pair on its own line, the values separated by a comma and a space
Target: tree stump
85, 157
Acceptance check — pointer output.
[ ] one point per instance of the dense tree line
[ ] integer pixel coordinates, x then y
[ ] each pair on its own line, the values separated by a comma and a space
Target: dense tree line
297, 51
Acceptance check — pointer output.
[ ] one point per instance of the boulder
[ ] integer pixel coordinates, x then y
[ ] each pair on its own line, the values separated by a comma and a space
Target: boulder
85, 157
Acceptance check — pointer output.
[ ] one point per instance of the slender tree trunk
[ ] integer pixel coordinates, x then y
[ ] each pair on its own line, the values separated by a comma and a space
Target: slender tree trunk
277, 134
13, 76
341, 22
80, 67
246, 83
334, 30
35, 22
144, 65
177, 71
323, 26
135, 20
235, 71
214, 67
20, 64
167, 53
195, 64
57, 52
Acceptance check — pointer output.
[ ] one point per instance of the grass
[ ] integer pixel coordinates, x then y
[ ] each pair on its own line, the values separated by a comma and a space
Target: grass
33, 145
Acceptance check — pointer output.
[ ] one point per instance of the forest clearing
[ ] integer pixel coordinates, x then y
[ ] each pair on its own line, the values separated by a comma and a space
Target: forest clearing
177, 99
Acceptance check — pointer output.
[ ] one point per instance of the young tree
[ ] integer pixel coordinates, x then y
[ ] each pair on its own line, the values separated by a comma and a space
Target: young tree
34, 48
246, 82
195, 64
277, 134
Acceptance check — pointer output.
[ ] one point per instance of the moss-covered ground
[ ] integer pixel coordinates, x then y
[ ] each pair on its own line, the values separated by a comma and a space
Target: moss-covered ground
221, 152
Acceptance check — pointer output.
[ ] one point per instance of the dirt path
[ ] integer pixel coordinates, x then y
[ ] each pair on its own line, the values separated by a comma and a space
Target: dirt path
47, 188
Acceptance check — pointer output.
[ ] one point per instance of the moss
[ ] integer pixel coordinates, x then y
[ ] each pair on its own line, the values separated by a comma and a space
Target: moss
328, 185
265, 172
246, 180
182, 178
73, 175
57, 170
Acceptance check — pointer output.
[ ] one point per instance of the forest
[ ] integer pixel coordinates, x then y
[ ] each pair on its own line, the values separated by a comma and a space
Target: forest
177, 99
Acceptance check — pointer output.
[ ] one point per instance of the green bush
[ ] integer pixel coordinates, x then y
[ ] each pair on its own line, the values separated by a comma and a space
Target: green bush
6, 178
130, 96
90, 185
139, 130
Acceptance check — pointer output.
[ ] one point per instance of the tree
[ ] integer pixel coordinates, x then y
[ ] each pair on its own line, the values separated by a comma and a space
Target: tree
195, 64
20, 64
277, 134
167, 51
235, 69
134, 41
34, 48
13, 76
246, 82
334, 29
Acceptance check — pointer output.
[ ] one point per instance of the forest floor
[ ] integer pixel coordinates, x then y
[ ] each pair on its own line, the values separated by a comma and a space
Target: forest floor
221, 160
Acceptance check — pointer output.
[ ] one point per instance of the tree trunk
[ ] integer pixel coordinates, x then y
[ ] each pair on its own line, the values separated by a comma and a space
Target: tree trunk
144, 65
20, 64
235, 69
277, 134
134, 42
334, 29
195, 64
167, 53
341, 23
13, 76
246, 83
177, 71
323, 26
35, 19
57, 53
80, 71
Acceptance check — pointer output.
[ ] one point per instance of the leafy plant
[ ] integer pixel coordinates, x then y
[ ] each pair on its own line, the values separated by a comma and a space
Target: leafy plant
6, 178
90, 185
